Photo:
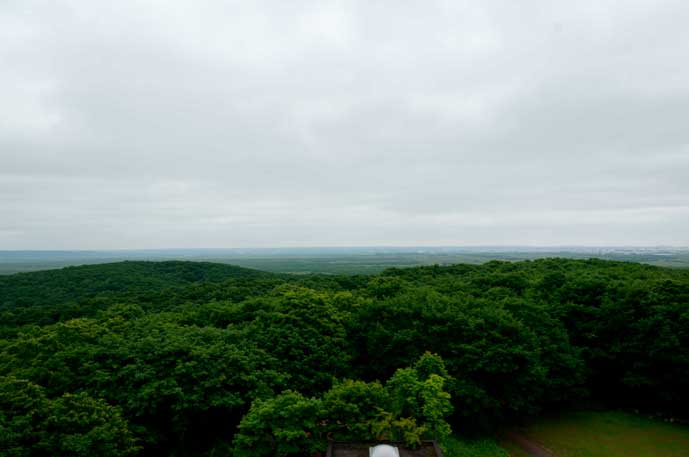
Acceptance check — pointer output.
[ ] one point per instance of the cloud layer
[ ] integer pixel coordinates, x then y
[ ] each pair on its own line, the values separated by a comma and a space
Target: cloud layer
150, 124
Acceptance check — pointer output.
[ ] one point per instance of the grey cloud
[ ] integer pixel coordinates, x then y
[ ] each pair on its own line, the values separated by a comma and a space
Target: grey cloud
187, 124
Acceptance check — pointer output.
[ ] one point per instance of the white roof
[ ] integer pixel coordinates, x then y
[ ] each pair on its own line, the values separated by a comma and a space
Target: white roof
383, 450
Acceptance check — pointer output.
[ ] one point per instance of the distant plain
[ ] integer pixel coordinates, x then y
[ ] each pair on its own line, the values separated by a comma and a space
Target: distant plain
355, 260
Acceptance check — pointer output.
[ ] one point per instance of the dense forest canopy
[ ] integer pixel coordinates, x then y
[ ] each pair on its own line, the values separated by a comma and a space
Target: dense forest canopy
186, 358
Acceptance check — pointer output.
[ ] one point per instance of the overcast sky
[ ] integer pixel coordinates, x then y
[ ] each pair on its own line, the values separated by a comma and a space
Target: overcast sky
153, 124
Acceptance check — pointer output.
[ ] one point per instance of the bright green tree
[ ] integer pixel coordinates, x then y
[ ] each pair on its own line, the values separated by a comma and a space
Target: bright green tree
284, 425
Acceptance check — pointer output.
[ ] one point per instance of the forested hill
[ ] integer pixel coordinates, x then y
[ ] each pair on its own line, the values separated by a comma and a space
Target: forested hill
121, 277
187, 359
92, 287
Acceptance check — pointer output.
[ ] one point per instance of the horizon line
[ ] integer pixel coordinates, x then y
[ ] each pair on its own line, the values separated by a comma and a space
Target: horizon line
315, 247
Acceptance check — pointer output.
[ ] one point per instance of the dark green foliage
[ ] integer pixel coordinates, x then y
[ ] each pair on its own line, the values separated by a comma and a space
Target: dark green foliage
178, 354
411, 407
75, 425
506, 357
45, 297
283, 425
305, 330
167, 377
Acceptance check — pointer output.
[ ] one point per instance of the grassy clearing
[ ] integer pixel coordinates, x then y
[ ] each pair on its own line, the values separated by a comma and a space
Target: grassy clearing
458, 447
610, 434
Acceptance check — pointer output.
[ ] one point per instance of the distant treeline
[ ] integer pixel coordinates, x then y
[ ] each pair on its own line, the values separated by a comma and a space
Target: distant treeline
187, 359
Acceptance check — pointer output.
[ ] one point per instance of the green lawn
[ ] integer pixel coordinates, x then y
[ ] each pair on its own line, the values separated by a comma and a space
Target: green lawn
458, 447
610, 434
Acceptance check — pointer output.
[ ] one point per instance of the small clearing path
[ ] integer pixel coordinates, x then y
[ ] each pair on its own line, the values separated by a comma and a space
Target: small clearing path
534, 448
